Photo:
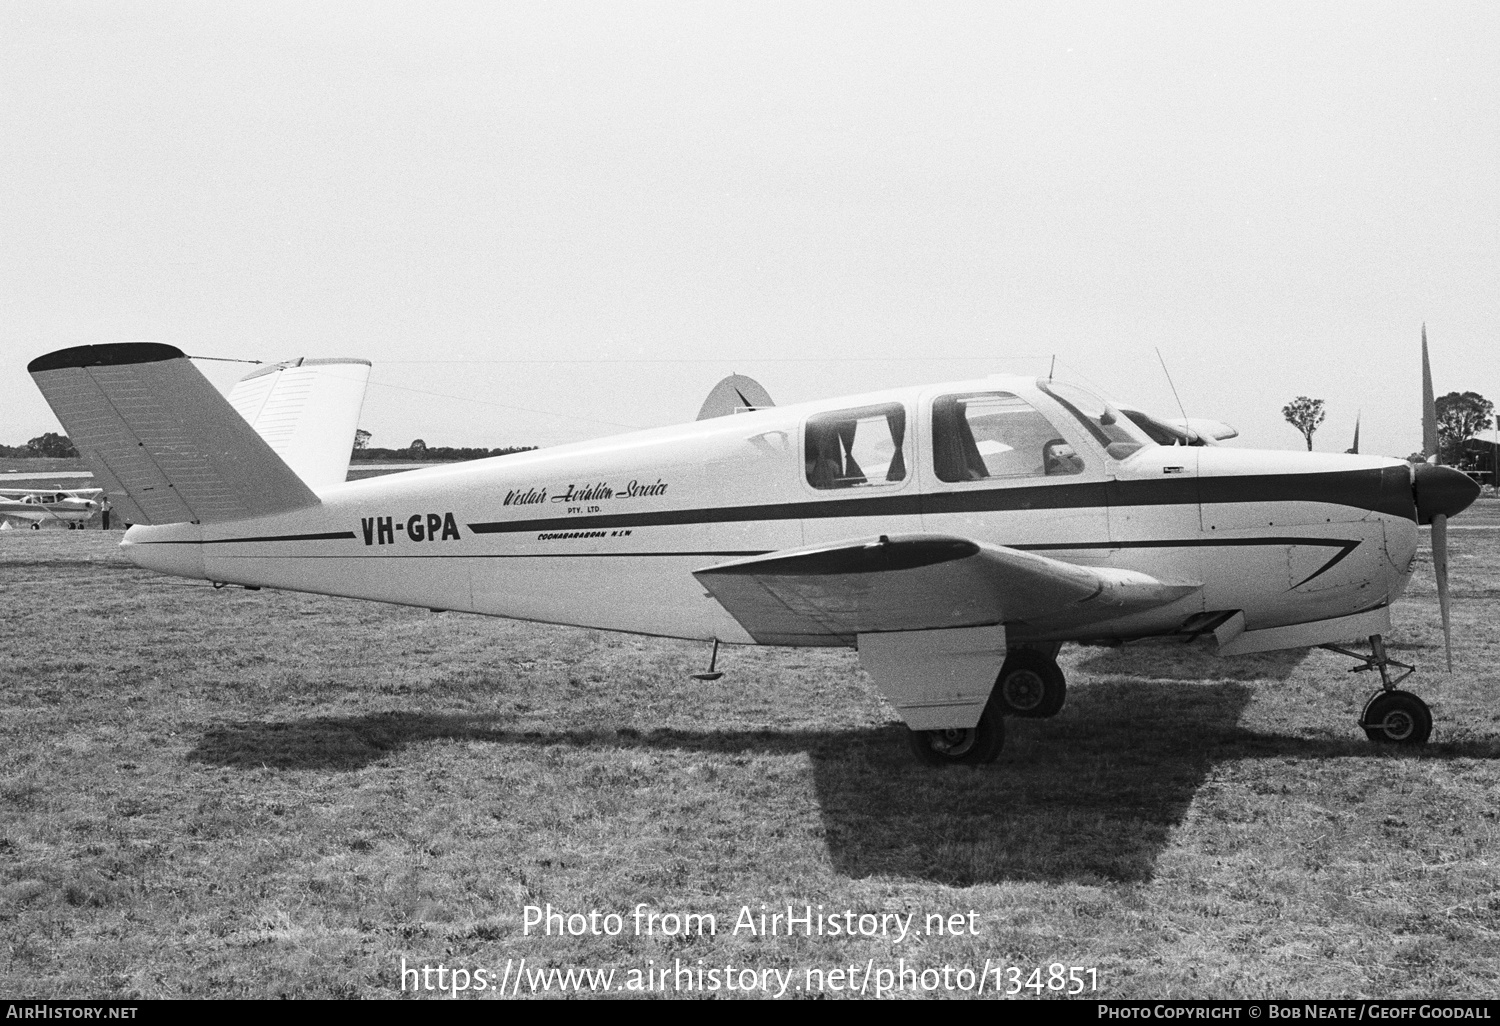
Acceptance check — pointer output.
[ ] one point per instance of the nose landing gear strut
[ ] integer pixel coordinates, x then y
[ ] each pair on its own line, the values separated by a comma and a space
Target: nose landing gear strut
1391, 716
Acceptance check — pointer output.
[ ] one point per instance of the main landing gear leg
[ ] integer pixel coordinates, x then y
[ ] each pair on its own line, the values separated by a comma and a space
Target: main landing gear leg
1391, 716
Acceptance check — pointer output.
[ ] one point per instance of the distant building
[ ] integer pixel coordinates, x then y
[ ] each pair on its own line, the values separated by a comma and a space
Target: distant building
1477, 459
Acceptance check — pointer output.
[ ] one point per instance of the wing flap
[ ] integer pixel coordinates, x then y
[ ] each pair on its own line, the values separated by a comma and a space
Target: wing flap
918, 582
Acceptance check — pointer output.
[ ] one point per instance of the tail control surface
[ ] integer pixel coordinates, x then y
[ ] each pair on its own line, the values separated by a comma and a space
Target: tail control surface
735, 394
163, 442
307, 411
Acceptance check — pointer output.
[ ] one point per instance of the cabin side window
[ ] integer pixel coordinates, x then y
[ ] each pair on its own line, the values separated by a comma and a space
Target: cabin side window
1114, 431
857, 448
984, 435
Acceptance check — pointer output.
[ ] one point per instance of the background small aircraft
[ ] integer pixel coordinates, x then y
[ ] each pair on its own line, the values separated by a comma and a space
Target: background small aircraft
33, 506
956, 535
1178, 430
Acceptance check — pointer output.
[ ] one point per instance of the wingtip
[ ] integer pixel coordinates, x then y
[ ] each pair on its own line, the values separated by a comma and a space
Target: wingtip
115, 354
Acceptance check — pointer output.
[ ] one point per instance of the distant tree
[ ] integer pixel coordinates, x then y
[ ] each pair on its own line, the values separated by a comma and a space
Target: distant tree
435, 453
361, 438
417, 447
51, 444
1460, 417
1305, 415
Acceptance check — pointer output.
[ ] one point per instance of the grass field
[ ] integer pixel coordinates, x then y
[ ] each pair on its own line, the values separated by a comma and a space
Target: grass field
39, 465
229, 793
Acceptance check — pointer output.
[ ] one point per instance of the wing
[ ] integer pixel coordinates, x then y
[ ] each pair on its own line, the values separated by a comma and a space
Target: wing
915, 582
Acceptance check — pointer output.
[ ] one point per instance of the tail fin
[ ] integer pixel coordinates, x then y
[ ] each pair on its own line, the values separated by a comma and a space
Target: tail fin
307, 411
735, 394
163, 442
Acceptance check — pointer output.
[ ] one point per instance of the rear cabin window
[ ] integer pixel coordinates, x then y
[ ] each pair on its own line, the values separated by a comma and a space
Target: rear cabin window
987, 435
857, 448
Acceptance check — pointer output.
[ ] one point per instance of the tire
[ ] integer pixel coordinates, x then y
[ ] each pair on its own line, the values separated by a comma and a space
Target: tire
1397, 718
1031, 685
976, 746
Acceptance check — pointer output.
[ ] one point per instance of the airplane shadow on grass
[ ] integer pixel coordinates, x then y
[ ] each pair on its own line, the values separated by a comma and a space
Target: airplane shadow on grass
1089, 796
1172, 660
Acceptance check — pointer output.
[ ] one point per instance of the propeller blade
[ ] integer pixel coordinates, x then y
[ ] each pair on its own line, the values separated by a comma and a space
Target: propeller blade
1440, 570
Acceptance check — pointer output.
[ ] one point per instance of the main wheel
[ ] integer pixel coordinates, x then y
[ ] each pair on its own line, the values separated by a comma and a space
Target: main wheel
1031, 684
973, 746
1397, 718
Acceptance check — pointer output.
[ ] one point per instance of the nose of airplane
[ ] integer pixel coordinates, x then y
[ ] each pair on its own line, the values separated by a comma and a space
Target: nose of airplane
1441, 491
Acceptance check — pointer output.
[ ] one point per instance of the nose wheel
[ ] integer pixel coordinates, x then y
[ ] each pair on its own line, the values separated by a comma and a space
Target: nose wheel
1391, 716
1396, 718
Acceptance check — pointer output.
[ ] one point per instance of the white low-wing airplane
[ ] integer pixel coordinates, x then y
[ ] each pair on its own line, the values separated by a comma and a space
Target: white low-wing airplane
955, 534
73, 506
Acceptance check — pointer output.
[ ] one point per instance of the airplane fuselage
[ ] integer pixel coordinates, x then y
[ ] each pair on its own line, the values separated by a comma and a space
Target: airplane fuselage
607, 533
39, 507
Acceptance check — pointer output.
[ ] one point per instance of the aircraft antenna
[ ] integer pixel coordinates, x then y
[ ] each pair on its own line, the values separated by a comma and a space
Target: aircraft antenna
224, 359
1169, 383
1053, 367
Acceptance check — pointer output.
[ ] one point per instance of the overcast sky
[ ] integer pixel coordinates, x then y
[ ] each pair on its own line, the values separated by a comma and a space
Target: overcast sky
542, 221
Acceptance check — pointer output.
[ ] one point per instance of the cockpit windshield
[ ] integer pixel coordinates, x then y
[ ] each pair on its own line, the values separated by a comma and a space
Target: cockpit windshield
1111, 428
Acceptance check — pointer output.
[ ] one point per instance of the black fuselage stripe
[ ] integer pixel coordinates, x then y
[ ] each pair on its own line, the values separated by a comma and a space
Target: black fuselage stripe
1337, 558
1344, 545
325, 536
891, 505
735, 553
1381, 490
329, 536
1176, 543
